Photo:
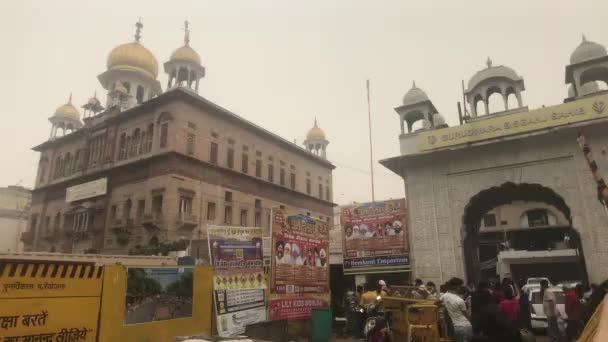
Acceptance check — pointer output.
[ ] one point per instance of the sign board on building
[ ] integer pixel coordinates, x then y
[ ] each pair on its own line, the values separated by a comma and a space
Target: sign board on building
375, 237
591, 108
86, 190
238, 277
300, 265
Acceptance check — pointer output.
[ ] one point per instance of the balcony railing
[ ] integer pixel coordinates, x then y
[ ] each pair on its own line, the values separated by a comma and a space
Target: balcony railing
186, 221
152, 221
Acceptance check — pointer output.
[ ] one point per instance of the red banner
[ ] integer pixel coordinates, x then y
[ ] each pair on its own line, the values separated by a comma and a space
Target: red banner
300, 265
375, 237
300, 261
294, 308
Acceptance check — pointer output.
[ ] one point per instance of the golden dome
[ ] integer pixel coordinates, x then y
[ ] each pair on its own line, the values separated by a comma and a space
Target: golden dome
67, 111
315, 133
134, 57
186, 54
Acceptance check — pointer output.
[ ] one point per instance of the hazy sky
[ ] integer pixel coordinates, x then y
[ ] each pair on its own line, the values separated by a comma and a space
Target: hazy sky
281, 63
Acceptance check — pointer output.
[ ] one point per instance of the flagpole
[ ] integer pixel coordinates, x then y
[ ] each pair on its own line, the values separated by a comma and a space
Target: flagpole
371, 151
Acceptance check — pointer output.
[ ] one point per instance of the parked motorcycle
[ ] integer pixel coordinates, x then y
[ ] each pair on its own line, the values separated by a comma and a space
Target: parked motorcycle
376, 328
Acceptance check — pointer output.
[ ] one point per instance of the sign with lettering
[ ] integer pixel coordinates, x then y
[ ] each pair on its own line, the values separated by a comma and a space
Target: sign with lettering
86, 190
375, 237
300, 262
294, 308
236, 254
45, 302
586, 109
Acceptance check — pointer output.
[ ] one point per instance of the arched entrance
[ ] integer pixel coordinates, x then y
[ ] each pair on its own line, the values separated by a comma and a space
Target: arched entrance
510, 194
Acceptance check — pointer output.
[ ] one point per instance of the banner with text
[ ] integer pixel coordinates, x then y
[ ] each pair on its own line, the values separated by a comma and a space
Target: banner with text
374, 237
300, 264
238, 277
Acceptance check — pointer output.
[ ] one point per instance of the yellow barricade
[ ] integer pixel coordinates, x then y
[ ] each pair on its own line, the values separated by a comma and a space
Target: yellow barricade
81, 301
415, 319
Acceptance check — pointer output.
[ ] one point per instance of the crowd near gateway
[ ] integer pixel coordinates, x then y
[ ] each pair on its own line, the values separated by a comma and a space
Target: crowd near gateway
501, 216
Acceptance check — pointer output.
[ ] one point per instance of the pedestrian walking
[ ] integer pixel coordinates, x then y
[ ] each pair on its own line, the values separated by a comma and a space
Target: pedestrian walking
550, 310
458, 312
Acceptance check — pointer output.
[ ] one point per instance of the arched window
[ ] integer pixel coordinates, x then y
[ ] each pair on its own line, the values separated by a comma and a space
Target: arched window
57, 222
495, 100
57, 167
65, 169
78, 161
122, 145
127, 209
142, 143
150, 135
127, 147
538, 218
134, 143
140, 94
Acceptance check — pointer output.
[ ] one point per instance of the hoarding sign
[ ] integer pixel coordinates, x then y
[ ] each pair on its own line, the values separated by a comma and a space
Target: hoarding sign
238, 278
375, 237
591, 108
86, 190
300, 264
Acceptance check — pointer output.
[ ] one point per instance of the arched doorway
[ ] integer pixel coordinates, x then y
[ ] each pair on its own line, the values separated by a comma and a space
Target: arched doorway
547, 236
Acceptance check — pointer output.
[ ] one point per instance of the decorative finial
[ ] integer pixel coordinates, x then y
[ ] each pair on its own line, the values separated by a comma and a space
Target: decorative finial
95, 94
413, 84
489, 62
138, 26
70, 99
584, 38
187, 33
316, 122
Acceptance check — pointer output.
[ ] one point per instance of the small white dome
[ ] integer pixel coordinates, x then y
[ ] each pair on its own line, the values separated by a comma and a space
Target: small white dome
414, 95
586, 89
438, 120
587, 50
492, 72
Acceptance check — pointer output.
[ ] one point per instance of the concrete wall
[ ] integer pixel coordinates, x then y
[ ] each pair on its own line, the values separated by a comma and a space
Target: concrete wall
440, 185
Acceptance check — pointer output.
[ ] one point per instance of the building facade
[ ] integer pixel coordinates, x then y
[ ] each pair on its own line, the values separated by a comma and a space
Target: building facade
508, 192
162, 165
14, 213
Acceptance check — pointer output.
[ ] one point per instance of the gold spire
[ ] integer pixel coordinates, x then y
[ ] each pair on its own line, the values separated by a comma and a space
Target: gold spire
70, 99
138, 27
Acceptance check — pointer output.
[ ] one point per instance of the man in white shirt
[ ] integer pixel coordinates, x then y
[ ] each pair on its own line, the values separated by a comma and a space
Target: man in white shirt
550, 310
457, 309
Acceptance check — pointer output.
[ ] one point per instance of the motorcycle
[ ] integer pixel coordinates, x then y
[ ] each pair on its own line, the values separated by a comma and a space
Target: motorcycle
376, 328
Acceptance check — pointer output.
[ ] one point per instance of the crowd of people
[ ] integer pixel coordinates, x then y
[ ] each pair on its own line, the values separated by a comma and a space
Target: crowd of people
495, 311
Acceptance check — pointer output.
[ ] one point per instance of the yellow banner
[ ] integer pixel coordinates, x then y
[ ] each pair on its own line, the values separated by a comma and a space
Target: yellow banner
49, 319
577, 111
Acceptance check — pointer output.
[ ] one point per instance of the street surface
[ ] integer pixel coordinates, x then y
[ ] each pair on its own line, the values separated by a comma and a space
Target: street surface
539, 338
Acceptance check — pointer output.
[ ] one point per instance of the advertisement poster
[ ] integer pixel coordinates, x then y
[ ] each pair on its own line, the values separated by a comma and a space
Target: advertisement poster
156, 294
294, 308
238, 277
300, 265
375, 237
